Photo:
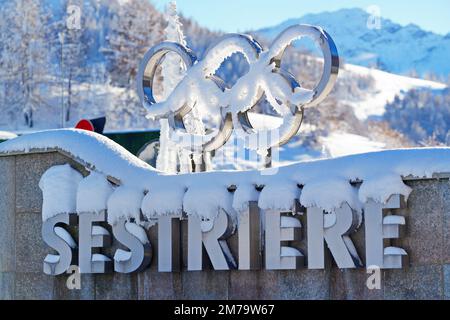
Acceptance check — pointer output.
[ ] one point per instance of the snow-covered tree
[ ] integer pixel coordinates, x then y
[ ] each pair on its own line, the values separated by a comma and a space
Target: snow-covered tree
171, 72
422, 115
171, 157
133, 27
24, 57
69, 46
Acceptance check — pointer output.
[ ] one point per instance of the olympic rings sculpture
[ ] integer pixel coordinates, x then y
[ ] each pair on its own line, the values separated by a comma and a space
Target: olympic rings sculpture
264, 77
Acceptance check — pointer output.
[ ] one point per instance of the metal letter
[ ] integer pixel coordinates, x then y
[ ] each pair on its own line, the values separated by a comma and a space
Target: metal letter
90, 237
58, 264
140, 253
275, 233
169, 253
378, 229
335, 235
213, 241
249, 239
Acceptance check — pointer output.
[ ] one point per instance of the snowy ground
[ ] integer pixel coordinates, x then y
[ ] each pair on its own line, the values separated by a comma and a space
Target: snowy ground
342, 144
387, 86
336, 144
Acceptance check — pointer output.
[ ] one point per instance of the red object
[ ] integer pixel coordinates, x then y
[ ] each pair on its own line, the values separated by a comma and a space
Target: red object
85, 124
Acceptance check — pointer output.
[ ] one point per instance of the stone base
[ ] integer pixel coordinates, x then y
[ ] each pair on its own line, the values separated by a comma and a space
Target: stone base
426, 240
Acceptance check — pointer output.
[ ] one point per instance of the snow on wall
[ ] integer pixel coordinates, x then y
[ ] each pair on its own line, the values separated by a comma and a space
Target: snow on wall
125, 202
93, 193
59, 189
105, 156
321, 183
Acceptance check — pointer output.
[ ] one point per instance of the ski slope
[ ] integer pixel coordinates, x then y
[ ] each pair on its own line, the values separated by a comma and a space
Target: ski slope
386, 87
339, 144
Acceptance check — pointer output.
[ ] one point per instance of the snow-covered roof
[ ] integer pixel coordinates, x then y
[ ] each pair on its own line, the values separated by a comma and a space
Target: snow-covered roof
322, 183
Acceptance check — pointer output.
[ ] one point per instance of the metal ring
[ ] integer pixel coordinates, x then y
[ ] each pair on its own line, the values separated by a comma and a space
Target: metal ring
329, 51
254, 46
150, 62
226, 126
284, 134
218, 137
253, 52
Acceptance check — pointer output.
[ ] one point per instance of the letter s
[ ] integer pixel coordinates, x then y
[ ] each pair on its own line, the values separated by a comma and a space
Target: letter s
63, 244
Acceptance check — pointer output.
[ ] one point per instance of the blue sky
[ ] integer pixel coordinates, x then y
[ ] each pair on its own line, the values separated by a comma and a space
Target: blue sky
242, 15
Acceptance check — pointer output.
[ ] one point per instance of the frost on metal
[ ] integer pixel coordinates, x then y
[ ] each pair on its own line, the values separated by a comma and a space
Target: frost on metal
201, 90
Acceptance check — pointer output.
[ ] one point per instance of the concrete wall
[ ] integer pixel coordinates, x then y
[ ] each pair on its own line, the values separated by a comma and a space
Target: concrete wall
22, 251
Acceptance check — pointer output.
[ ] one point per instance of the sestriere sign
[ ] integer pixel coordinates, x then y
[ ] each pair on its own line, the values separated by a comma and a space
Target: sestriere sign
269, 239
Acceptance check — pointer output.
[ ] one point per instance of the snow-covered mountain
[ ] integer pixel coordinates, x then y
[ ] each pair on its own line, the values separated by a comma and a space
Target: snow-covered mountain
371, 103
392, 47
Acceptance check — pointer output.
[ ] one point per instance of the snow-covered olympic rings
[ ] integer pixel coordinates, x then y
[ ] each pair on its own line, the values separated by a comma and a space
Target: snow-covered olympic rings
265, 78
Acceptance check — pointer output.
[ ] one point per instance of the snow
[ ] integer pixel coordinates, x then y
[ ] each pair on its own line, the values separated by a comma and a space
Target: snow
122, 255
339, 144
166, 198
393, 219
52, 258
172, 71
109, 158
290, 222
292, 33
5, 135
290, 252
93, 193
100, 257
65, 235
243, 195
205, 200
59, 189
329, 192
385, 185
200, 93
137, 231
329, 220
99, 231
395, 251
279, 195
324, 183
386, 87
264, 121
166, 160
249, 88
125, 202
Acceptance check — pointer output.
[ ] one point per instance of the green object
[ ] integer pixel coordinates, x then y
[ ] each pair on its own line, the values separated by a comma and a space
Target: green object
133, 141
